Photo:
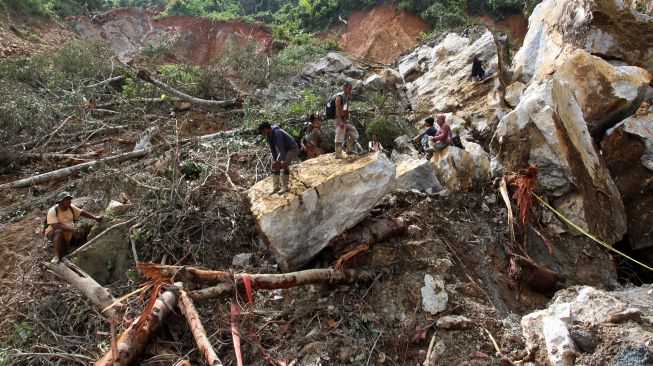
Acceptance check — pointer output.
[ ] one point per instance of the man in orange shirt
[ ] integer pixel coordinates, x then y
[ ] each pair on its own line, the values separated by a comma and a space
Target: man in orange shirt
60, 224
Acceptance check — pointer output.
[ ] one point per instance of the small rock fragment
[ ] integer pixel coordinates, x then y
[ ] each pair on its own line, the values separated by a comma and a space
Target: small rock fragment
633, 314
243, 260
433, 302
413, 230
453, 322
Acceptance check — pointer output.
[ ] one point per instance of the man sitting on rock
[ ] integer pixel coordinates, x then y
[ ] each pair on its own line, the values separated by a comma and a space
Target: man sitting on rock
429, 130
442, 139
344, 128
60, 227
284, 150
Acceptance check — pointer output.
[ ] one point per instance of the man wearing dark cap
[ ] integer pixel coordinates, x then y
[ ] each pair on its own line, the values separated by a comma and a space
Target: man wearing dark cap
284, 150
60, 227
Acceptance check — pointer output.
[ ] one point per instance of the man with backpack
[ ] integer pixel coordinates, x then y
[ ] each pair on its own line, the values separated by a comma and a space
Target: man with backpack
284, 150
338, 108
60, 228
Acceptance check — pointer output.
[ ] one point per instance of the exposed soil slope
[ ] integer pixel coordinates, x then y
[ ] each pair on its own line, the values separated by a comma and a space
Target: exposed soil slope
198, 40
379, 34
25, 36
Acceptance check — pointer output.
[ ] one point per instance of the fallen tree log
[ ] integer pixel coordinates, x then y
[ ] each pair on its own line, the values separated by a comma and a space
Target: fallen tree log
147, 76
368, 232
98, 295
56, 156
61, 173
154, 271
195, 323
133, 341
285, 280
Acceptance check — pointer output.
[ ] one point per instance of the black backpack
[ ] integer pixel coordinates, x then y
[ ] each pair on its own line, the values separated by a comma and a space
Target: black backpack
330, 111
455, 140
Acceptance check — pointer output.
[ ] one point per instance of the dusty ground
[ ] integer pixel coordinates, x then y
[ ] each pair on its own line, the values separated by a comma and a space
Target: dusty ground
20, 36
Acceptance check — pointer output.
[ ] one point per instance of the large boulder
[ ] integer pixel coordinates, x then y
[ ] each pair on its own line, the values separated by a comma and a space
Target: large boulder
480, 161
107, 259
605, 93
417, 174
443, 84
628, 151
607, 28
454, 168
568, 330
332, 63
327, 196
547, 129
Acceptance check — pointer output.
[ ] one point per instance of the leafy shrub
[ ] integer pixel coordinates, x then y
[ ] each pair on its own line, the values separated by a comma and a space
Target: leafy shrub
387, 129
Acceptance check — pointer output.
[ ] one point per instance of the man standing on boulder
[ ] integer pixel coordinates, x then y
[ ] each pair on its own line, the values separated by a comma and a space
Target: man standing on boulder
343, 126
442, 139
60, 227
284, 150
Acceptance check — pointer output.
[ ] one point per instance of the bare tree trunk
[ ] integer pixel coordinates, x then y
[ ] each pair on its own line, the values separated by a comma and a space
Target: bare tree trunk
55, 156
195, 275
97, 294
195, 323
285, 280
368, 232
132, 341
61, 173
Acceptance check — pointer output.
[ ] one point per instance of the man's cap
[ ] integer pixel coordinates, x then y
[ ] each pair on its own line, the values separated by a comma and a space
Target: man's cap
63, 195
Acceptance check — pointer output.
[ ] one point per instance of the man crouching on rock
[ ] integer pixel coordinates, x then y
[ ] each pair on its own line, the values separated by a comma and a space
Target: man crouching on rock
284, 150
60, 227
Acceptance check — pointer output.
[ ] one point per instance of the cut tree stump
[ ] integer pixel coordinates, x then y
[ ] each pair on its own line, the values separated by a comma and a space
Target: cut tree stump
133, 341
61, 173
98, 295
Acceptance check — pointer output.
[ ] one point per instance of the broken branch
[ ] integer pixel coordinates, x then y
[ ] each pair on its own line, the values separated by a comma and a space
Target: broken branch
285, 280
132, 341
195, 323
146, 76
61, 173
155, 271
77, 278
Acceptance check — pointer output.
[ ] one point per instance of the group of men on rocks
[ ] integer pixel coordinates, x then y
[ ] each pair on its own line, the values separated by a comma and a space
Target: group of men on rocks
285, 149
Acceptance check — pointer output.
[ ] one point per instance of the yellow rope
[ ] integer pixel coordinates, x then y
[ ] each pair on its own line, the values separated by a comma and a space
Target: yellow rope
602, 243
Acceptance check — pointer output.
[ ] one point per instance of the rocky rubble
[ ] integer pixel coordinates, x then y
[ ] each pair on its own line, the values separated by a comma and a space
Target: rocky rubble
584, 325
327, 196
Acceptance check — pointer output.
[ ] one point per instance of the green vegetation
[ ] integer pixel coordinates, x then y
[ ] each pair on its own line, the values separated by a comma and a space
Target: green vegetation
292, 21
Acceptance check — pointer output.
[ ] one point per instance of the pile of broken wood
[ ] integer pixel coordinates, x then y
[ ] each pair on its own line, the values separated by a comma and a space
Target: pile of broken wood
167, 287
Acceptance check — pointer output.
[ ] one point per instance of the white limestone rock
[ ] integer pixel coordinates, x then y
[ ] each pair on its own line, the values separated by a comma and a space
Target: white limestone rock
327, 196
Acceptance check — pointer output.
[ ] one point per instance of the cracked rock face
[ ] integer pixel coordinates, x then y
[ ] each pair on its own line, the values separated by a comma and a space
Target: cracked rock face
605, 93
327, 196
606, 28
547, 129
628, 151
